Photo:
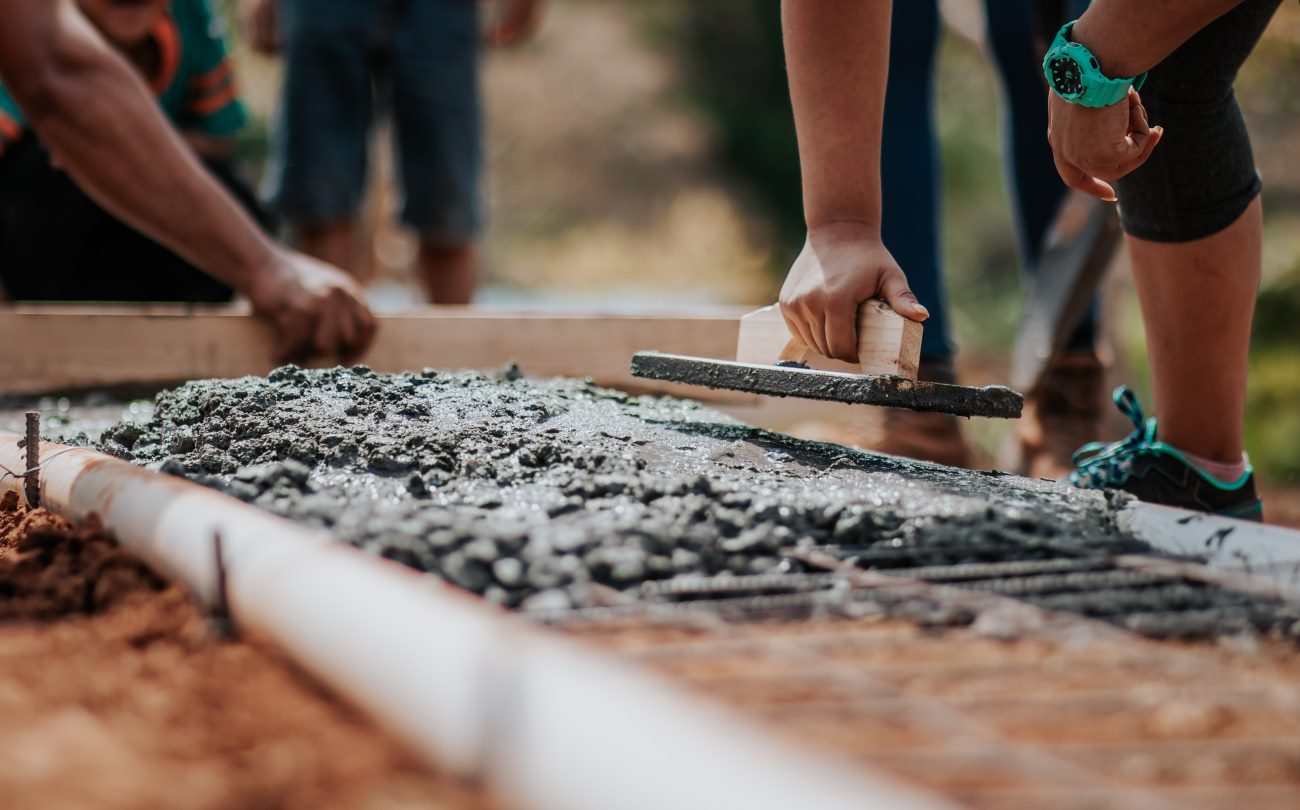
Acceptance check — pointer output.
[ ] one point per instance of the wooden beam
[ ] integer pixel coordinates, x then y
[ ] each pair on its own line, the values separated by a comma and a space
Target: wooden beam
54, 348
888, 343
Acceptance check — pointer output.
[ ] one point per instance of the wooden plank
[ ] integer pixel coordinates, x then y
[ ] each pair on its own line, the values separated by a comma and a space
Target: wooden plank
66, 347
888, 343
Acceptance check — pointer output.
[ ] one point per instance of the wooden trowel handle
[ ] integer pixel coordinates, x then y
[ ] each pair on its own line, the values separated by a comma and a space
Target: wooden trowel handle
888, 343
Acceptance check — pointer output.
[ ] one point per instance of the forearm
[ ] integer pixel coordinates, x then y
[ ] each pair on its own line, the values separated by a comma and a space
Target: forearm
837, 55
209, 147
102, 126
1129, 38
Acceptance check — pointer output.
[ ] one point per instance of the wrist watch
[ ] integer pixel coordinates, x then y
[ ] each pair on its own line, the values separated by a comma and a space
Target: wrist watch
1073, 74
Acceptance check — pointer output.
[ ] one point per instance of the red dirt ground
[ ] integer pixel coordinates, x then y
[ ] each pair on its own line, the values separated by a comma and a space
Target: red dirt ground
115, 693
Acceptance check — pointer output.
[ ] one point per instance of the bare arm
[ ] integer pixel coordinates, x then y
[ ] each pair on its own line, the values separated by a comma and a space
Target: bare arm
97, 119
99, 122
837, 54
1129, 37
1094, 147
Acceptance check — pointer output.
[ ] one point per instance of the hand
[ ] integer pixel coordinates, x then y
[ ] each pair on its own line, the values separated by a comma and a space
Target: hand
1095, 145
316, 309
261, 25
842, 265
515, 21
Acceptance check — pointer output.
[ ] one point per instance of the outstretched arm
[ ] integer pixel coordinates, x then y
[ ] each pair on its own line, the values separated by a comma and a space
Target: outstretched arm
100, 124
1096, 146
837, 54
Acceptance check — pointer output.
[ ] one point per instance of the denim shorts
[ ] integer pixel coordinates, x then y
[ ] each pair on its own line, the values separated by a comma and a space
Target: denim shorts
349, 61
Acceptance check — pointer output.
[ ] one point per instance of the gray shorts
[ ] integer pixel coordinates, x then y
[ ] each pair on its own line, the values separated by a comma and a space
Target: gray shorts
346, 62
1202, 176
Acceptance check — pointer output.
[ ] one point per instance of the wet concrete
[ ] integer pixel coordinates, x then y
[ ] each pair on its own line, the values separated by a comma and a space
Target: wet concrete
832, 386
535, 493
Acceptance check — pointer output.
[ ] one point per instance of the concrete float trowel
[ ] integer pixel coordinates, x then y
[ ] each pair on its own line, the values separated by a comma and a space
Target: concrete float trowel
769, 360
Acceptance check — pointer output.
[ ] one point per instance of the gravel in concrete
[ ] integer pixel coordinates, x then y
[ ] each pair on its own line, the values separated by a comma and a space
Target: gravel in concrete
531, 492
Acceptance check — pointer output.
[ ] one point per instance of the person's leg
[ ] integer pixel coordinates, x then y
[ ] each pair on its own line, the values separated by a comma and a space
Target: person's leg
334, 242
436, 116
1036, 190
1197, 301
448, 271
1037, 193
911, 225
1064, 410
319, 149
909, 166
1194, 229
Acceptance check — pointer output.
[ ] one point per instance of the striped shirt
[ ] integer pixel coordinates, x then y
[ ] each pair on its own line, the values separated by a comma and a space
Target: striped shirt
195, 81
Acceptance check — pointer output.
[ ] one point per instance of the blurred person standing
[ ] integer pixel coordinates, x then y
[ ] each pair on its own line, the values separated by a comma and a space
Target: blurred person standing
346, 61
1066, 410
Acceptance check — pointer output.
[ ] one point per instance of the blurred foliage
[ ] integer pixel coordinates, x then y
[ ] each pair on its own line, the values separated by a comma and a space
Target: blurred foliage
1273, 398
732, 66
1277, 312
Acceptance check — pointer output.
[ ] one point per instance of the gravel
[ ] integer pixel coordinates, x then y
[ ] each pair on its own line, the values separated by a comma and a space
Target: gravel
529, 492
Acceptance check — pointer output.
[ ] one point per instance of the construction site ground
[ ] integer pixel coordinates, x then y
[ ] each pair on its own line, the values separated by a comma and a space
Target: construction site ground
118, 693
1003, 642
1087, 718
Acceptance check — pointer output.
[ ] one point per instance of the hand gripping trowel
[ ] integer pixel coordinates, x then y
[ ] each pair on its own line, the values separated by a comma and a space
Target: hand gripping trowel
769, 360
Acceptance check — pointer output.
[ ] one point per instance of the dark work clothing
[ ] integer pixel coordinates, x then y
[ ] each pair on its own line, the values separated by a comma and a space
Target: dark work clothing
1202, 176
347, 62
57, 244
910, 162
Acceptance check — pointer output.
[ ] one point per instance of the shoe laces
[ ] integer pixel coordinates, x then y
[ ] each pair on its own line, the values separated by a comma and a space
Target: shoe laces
1099, 465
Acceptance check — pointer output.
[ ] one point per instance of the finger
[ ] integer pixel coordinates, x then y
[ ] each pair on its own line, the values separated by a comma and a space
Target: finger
842, 332
1137, 114
815, 319
367, 326
794, 322
1078, 180
355, 330
812, 329
347, 330
325, 336
294, 338
894, 289
1156, 134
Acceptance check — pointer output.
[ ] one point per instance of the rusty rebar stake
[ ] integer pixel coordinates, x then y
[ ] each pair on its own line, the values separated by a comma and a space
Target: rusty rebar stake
32, 477
220, 621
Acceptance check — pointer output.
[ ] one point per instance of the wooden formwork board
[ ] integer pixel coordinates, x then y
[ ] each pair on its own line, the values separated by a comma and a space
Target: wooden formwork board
54, 348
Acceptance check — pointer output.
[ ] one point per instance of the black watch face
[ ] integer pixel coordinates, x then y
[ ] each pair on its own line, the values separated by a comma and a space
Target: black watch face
1067, 78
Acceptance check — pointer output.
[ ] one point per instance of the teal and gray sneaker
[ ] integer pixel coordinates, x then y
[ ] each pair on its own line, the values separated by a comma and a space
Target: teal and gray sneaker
1160, 473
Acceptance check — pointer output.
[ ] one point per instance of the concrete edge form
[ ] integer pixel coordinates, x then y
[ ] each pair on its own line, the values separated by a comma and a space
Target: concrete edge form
476, 691
1265, 553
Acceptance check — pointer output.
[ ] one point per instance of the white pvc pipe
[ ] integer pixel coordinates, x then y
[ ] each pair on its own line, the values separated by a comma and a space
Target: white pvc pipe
1270, 553
476, 691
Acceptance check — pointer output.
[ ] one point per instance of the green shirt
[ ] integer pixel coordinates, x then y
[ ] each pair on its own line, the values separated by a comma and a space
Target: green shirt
194, 83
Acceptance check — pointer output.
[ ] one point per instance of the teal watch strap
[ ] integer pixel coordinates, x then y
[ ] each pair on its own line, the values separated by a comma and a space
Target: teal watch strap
1074, 74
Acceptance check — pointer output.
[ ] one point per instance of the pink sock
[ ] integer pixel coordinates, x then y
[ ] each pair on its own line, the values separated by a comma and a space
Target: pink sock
1220, 471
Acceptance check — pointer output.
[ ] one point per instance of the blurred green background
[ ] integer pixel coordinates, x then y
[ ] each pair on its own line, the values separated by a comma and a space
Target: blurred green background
641, 154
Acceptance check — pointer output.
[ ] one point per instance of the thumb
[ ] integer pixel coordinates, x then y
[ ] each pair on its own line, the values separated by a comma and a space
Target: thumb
894, 289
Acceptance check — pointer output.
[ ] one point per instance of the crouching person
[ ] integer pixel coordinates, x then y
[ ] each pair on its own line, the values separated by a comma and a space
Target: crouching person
56, 243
